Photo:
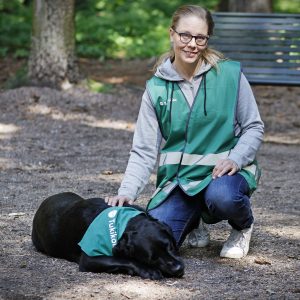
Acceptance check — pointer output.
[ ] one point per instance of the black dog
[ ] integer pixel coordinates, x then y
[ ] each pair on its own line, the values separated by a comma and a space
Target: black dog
146, 248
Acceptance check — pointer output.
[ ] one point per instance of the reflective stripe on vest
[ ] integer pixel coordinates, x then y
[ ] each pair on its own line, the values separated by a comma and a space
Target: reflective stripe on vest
173, 158
166, 189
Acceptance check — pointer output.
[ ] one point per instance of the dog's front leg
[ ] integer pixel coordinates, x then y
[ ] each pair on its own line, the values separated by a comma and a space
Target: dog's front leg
111, 264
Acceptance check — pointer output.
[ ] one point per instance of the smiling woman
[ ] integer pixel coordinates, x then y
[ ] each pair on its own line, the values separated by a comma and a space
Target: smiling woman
199, 115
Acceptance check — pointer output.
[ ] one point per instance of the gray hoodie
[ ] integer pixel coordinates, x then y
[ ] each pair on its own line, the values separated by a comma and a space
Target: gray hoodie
148, 140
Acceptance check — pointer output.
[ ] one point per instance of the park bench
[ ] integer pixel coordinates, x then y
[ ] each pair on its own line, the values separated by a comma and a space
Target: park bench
267, 45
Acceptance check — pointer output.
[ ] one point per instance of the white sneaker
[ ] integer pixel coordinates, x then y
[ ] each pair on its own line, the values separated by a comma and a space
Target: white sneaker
237, 245
199, 237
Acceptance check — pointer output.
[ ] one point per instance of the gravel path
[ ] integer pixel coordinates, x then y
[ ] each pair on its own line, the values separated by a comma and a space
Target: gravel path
79, 141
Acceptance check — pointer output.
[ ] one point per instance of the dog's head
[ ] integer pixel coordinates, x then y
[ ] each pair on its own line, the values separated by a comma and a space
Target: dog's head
152, 243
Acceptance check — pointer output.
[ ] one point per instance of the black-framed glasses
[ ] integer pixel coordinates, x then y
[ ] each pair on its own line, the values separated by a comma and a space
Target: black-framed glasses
185, 38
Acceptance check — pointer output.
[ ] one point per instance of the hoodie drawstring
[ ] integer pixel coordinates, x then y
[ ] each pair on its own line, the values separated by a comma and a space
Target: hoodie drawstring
171, 101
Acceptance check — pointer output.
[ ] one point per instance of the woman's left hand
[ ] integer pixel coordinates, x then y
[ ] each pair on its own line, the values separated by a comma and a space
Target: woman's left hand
224, 166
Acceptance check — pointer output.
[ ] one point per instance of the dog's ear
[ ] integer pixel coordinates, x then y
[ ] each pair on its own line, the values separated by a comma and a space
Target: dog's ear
125, 245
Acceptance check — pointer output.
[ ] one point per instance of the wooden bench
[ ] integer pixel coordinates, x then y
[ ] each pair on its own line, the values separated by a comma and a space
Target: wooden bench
267, 45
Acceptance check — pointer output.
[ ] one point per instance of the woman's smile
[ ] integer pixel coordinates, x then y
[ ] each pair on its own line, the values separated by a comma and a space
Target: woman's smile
191, 54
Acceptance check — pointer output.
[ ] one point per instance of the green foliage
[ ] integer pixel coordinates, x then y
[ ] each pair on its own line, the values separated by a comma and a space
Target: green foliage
98, 87
104, 29
290, 6
107, 28
15, 28
125, 28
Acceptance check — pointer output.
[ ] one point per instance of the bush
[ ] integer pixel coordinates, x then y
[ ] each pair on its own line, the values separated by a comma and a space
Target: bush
15, 28
118, 29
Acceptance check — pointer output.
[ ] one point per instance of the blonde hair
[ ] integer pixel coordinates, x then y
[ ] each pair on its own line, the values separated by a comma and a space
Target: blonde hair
208, 55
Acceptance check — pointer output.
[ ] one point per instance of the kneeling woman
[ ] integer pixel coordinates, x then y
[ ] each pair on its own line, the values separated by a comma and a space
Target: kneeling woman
199, 115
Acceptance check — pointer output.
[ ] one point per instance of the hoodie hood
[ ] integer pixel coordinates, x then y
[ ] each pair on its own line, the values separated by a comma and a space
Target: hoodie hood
167, 71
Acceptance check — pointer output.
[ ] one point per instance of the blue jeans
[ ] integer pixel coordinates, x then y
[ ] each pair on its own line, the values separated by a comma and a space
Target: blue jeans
225, 198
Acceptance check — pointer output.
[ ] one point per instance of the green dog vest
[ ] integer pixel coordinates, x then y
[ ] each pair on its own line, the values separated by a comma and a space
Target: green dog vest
198, 136
106, 230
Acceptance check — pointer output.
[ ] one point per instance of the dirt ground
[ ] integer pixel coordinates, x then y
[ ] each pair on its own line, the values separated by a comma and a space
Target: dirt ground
79, 141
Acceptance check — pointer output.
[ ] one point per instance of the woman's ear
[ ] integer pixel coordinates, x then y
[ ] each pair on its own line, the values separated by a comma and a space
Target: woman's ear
171, 33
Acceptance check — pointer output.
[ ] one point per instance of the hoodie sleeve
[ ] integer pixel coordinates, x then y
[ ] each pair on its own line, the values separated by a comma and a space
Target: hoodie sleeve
143, 155
248, 126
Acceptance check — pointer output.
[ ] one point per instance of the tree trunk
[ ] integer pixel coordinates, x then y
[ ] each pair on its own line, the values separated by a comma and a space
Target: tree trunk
264, 6
52, 59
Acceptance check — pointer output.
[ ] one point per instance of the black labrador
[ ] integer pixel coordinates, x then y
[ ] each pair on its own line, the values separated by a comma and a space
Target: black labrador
147, 247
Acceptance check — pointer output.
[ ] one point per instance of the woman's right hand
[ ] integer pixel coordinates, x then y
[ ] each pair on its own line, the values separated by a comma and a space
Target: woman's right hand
118, 200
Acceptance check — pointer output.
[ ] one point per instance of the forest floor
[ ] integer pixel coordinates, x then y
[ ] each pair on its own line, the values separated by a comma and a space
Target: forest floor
77, 140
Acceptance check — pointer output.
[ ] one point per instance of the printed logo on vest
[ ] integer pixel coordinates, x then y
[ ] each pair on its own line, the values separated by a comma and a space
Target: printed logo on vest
166, 102
112, 213
112, 227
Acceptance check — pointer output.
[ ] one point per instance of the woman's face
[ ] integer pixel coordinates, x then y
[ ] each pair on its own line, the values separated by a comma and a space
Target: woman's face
188, 53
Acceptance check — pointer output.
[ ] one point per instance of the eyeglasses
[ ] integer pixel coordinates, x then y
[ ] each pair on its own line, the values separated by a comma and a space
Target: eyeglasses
185, 38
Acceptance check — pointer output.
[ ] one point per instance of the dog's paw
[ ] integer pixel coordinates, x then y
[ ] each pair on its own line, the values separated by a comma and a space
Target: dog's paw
152, 274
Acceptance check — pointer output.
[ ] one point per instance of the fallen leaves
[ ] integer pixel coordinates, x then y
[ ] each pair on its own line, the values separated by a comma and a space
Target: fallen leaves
16, 214
262, 261
107, 172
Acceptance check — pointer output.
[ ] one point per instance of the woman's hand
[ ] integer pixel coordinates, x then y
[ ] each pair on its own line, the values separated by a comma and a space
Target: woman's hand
224, 166
118, 200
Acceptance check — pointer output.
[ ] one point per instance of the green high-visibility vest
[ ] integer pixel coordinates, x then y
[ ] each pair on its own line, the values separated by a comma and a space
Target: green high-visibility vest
198, 136
106, 230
